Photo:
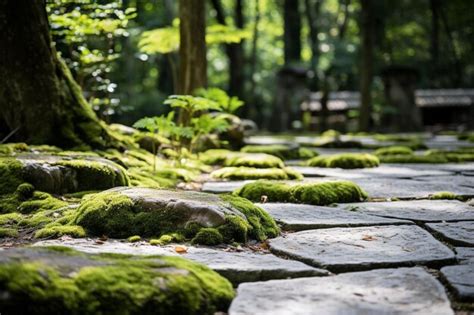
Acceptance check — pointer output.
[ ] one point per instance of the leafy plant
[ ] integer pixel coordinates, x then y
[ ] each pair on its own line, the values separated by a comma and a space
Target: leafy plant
227, 103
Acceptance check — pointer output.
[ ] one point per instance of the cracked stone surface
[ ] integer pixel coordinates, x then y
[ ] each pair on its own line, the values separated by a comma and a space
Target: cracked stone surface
223, 187
458, 233
408, 188
363, 248
238, 267
385, 291
465, 255
460, 180
461, 280
417, 210
297, 217
387, 171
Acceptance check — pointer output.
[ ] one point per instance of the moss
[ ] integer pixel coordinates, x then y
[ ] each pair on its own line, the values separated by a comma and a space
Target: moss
208, 236
25, 191
8, 232
10, 218
394, 150
167, 238
255, 173
444, 195
144, 177
435, 159
11, 174
314, 193
10, 148
94, 175
293, 174
261, 224
214, 156
274, 191
113, 285
345, 160
60, 230
456, 156
41, 201
306, 153
257, 160
134, 239
282, 151
235, 229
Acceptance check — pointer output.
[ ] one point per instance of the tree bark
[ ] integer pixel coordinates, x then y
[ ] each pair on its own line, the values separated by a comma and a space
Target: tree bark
312, 9
434, 5
192, 48
38, 96
366, 67
292, 34
234, 51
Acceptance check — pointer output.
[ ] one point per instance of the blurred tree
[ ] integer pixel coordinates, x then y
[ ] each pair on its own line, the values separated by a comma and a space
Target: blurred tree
39, 100
292, 35
192, 46
367, 28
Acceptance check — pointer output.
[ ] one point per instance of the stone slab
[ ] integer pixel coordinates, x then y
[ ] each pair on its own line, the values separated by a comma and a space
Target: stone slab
417, 210
299, 217
461, 280
363, 248
386, 171
408, 188
238, 267
465, 255
460, 180
448, 167
457, 233
223, 187
382, 292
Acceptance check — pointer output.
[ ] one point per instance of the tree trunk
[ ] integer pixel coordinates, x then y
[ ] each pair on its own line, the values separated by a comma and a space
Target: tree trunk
292, 35
234, 51
312, 15
192, 48
434, 5
38, 96
366, 68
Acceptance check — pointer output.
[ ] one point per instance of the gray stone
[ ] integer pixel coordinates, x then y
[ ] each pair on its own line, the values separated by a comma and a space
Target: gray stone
465, 255
448, 167
299, 217
457, 233
362, 248
206, 209
459, 180
71, 173
55, 277
238, 267
461, 280
223, 187
406, 188
385, 291
386, 171
417, 210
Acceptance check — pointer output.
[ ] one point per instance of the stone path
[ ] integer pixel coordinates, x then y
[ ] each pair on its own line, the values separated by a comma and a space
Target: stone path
397, 253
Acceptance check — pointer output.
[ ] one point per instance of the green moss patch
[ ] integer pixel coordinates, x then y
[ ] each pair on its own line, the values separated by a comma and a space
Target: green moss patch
67, 282
230, 158
168, 214
282, 151
236, 173
11, 175
345, 160
208, 236
419, 159
446, 195
60, 230
315, 194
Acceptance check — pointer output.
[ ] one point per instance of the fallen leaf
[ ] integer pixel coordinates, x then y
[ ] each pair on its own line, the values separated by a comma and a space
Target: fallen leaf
368, 238
263, 199
180, 249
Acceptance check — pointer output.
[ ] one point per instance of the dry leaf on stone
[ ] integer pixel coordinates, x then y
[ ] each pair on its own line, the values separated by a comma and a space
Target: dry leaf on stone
180, 249
368, 238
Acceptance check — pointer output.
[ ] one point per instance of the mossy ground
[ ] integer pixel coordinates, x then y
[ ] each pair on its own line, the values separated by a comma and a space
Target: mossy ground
345, 160
109, 284
316, 194
236, 173
393, 150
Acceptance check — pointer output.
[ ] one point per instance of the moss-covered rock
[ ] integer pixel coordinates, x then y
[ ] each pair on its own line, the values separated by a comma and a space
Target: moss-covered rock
55, 231
446, 195
345, 160
208, 236
122, 212
62, 281
236, 173
393, 150
284, 152
60, 174
419, 159
8, 232
257, 160
324, 193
